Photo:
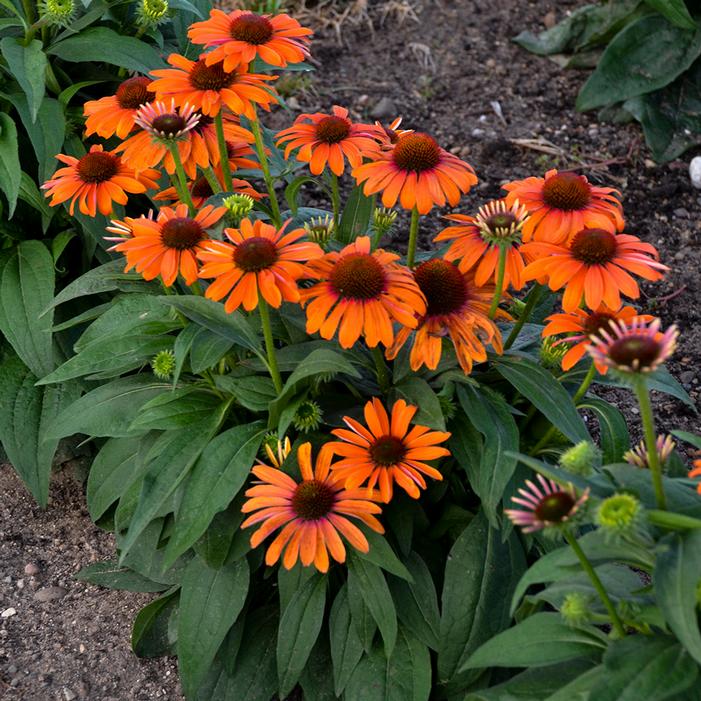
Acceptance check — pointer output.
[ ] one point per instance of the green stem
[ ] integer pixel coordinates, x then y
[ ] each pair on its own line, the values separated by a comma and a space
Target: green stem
180, 180
381, 367
335, 201
587, 567
501, 268
269, 344
648, 421
533, 298
28, 7
263, 158
223, 152
413, 236
196, 288
212, 180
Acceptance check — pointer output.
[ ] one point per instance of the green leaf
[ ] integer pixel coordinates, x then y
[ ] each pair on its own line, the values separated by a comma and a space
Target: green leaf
10, 168
149, 634
25, 413
490, 415
675, 11
418, 392
299, 628
253, 392
408, 670
210, 602
315, 681
112, 576
613, 430
480, 576
369, 679
175, 409
366, 582
27, 64
293, 189
689, 438
26, 286
107, 410
355, 220
207, 349
540, 640
382, 555
216, 478
346, 645
645, 56
676, 577
103, 45
29, 193
546, 393
319, 362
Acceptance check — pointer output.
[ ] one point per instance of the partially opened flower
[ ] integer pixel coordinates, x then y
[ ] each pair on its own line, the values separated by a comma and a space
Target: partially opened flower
637, 346
114, 115
417, 172
360, 293
580, 325
312, 514
477, 241
561, 204
96, 181
240, 36
595, 267
545, 504
387, 451
388, 135
257, 260
637, 455
167, 245
327, 139
456, 308
207, 87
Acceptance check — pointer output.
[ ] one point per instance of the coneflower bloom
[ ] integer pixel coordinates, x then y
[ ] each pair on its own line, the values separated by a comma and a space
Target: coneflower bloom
561, 204
417, 172
240, 36
259, 260
205, 146
637, 456
114, 115
167, 245
637, 346
595, 267
327, 139
477, 241
580, 325
97, 180
388, 135
386, 451
545, 504
360, 293
208, 86
456, 308
313, 513
162, 125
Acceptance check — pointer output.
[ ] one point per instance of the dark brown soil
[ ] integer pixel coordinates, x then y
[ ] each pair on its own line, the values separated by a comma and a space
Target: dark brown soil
442, 74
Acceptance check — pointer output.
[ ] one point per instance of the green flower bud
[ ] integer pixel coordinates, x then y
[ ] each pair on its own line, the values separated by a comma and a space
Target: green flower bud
57, 13
580, 459
551, 355
308, 416
320, 229
163, 364
618, 515
383, 220
447, 406
238, 206
575, 609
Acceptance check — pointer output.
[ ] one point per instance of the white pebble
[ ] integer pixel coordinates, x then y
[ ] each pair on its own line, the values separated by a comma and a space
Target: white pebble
8, 612
695, 172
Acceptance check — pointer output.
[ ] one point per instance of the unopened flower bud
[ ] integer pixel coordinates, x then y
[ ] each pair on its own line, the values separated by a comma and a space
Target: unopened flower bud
320, 229
552, 353
237, 206
163, 364
152, 12
618, 515
308, 416
57, 13
580, 459
383, 220
575, 609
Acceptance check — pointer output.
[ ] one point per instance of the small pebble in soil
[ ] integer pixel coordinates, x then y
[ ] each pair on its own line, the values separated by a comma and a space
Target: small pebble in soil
31, 569
7, 613
385, 108
695, 172
50, 594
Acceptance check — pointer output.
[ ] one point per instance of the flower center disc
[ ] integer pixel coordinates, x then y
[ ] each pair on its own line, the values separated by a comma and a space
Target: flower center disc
388, 450
358, 276
443, 286
416, 152
593, 246
251, 28
97, 167
181, 233
168, 124
332, 129
133, 93
204, 77
555, 507
625, 351
500, 222
201, 188
597, 322
312, 500
255, 254
567, 191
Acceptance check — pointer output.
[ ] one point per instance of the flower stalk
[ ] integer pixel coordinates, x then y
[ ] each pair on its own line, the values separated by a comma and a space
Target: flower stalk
180, 180
265, 167
499, 289
269, 344
413, 237
533, 299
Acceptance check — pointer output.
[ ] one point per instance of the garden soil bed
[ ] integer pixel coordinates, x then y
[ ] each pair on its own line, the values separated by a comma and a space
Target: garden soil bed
444, 74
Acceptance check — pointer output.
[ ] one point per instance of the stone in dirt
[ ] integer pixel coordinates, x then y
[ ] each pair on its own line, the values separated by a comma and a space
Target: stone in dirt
50, 594
384, 109
31, 569
7, 613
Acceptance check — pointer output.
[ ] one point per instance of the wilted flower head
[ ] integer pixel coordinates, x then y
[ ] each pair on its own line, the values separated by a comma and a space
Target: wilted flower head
638, 455
546, 504
163, 364
575, 609
581, 458
618, 515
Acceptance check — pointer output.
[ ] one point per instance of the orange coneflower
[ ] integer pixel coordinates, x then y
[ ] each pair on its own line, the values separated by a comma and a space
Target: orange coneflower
207, 87
477, 241
455, 307
96, 180
388, 135
580, 325
114, 114
205, 146
361, 294
417, 172
167, 245
561, 204
240, 36
696, 472
312, 513
260, 260
327, 139
595, 266
386, 451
